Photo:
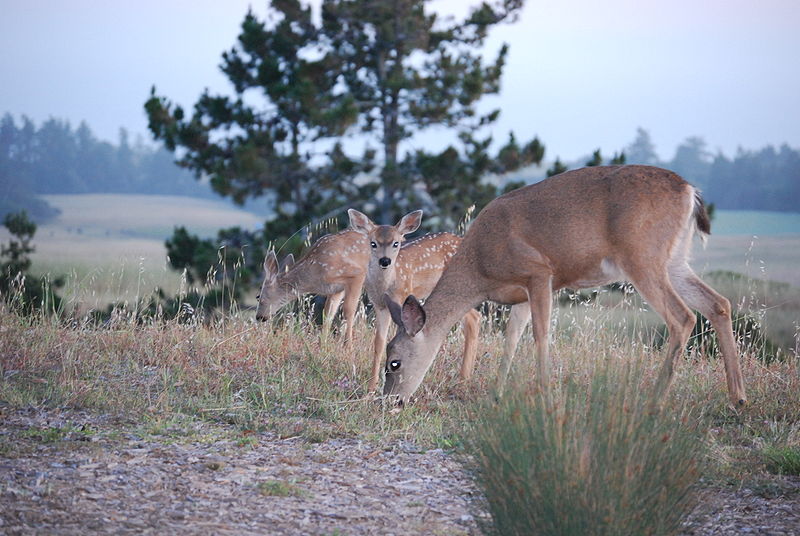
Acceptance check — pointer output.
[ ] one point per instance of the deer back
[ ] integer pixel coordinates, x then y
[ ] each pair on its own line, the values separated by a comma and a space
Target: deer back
420, 264
582, 225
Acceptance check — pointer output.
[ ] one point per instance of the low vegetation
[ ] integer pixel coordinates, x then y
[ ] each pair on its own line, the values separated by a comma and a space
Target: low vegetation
601, 459
284, 379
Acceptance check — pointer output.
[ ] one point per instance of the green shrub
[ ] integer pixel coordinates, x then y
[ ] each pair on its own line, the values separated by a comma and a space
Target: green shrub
783, 460
23, 292
601, 460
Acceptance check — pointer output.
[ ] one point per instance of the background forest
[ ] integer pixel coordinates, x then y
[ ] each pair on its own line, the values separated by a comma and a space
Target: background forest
55, 158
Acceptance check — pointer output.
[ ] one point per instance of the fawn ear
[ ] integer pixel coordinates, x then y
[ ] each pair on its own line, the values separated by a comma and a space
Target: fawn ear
412, 315
360, 222
287, 263
271, 265
410, 222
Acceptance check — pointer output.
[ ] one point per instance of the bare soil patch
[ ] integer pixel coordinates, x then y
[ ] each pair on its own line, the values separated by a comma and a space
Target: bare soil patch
103, 476
72, 472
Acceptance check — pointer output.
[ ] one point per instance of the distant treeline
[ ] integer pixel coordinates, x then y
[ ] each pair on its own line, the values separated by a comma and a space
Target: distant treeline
57, 159
766, 179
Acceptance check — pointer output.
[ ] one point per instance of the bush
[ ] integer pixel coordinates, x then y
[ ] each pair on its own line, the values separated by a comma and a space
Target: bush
18, 288
600, 461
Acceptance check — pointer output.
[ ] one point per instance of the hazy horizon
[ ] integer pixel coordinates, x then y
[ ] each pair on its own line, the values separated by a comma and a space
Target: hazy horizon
580, 74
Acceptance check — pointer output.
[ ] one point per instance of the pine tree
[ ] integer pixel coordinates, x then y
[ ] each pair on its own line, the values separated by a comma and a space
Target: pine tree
380, 70
556, 168
597, 159
618, 159
408, 72
251, 151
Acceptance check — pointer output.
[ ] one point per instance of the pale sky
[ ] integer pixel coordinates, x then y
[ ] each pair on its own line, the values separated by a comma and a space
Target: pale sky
581, 74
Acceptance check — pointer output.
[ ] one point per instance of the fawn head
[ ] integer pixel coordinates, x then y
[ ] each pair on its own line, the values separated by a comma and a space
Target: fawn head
273, 294
384, 240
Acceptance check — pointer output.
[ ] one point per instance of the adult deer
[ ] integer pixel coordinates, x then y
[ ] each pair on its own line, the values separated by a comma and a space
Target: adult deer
398, 269
335, 266
580, 229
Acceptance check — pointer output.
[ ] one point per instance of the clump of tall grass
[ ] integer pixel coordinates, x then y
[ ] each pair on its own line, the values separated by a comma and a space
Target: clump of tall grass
783, 460
600, 460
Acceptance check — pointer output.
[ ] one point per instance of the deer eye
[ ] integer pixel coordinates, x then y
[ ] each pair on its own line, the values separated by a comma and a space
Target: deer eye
258, 297
396, 244
394, 365
374, 245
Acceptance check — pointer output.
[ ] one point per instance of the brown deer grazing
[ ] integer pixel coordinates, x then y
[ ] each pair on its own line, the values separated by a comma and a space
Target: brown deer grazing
335, 266
398, 269
580, 229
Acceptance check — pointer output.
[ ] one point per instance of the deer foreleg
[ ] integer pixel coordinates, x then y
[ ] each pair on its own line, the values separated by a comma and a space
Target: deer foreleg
471, 326
329, 311
382, 322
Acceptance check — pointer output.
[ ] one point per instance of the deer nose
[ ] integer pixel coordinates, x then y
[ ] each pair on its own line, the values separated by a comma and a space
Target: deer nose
384, 262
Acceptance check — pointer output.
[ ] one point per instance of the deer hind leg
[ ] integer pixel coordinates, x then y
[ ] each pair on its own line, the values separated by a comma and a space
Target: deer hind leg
717, 309
382, 322
329, 311
517, 320
654, 285
470, 324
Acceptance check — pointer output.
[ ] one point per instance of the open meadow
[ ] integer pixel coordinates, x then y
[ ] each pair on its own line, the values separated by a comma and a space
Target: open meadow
234, 427
111, 247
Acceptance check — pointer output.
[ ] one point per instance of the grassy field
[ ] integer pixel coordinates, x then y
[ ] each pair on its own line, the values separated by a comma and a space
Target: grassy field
111, 247
770, 257
287, 381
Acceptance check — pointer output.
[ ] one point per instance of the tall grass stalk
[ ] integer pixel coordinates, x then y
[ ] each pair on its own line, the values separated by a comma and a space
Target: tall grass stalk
602, 460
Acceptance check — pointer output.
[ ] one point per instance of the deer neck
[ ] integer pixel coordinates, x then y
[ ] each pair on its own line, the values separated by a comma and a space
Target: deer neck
380, 281
454, 295
297, 278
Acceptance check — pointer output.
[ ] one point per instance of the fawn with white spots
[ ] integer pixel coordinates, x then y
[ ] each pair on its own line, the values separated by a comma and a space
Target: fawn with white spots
335, 266
579, 229
398, 269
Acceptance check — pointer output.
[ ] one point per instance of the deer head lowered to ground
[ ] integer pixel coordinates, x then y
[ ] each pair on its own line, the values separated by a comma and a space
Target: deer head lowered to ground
580, 229
398, 269
335, 266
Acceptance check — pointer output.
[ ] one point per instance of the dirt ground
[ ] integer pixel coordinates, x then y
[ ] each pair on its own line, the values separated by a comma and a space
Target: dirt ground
71, 472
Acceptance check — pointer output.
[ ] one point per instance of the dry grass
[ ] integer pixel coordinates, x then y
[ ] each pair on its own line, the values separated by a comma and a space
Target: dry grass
599, 459
245, 372
285, 379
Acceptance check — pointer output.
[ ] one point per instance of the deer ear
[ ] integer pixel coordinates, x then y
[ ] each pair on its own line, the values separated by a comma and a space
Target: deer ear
288, 261
271, 265
412, 315
394, 309
360, 222
410, 222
